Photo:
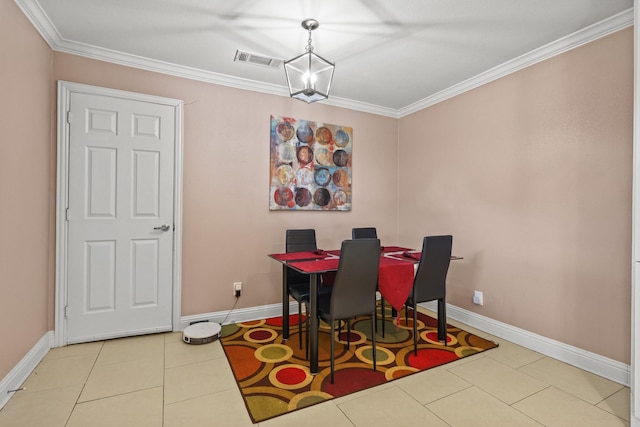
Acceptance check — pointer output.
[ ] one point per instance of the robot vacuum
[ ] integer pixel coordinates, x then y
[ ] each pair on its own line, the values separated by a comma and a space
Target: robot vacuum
201, 333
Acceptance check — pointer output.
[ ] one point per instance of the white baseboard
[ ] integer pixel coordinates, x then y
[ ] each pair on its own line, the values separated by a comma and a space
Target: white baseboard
599, 365
239, 315
591, 362
23, 369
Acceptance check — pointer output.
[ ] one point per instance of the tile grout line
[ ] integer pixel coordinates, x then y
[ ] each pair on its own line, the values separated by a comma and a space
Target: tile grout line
164, 374
525, 398
84, 384
571, 393
424, 405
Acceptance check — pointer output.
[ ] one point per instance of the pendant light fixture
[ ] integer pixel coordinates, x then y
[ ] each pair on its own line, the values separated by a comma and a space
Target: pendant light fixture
309, 75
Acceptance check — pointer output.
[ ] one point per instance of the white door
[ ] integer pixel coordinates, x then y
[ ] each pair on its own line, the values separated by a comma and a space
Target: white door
120, 217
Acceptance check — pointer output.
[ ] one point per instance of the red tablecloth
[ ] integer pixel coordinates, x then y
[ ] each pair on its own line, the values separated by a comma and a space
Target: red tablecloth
299, 256
412, 255
387, 249
315, 266
395, 277
383, 249
417, 255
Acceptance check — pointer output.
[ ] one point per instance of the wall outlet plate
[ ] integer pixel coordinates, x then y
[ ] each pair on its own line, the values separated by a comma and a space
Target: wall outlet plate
478, 298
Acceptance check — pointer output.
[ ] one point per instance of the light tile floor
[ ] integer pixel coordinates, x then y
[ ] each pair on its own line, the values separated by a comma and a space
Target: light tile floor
157, 380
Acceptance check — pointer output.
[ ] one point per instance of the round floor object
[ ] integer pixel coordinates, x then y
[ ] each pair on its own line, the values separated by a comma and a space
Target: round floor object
201, 333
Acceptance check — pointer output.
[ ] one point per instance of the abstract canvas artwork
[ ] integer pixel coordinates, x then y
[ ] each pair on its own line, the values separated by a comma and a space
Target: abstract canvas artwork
310, 165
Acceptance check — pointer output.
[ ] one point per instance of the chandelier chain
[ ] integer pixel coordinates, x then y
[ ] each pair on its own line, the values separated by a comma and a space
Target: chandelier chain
309, 47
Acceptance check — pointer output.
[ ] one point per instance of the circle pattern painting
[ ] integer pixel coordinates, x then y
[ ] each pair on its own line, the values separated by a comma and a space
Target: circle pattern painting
310, 165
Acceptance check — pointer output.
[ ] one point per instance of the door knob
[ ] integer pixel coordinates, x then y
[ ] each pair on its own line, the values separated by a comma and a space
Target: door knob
165, 227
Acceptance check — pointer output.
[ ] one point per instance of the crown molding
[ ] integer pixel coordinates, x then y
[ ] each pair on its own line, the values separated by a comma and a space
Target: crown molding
42, 23
50, 34
600, 29
40, 20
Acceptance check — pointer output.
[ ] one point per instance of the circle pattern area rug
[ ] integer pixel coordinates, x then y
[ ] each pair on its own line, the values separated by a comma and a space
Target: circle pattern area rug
273, 374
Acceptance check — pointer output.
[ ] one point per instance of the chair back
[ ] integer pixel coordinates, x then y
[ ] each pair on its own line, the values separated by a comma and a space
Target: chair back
431, 277
354, 289
364, 233
299, 240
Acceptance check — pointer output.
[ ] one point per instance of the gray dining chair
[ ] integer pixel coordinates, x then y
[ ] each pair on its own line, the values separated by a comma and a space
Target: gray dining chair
300, 240
354, 289
430, 283
364, 233
370, 233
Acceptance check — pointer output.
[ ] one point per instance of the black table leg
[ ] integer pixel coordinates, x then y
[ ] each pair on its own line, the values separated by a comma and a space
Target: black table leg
285, 304
313, 322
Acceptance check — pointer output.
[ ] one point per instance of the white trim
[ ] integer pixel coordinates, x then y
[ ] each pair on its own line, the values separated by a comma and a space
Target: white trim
23, 369
635, 235
103, 337
600, 29
49, 33
594, 363
62, 199
239, 315
599, 365
40, 20
64, 93
177, 217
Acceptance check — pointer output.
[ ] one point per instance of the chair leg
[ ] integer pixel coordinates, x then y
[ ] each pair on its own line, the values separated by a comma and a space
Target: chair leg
373, 337
383, 313
406, 315
333, 344
415, 328
348, 334
442, 321
300, 324
306, 335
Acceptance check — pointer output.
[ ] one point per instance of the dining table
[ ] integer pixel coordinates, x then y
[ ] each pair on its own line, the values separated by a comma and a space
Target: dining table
395, 280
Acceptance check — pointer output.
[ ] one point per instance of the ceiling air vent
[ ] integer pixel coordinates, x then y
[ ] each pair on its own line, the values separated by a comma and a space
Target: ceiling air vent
252, 58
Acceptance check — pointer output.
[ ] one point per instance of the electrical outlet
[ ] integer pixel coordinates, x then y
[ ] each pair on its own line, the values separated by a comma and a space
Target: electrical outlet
478, 298
237, 289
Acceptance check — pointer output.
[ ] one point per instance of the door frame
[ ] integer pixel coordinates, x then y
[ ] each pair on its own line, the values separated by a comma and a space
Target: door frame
65, 89
635, 230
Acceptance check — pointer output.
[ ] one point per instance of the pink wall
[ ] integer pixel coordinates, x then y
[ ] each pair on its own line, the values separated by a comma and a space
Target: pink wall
25, 183
227, 227
532, 175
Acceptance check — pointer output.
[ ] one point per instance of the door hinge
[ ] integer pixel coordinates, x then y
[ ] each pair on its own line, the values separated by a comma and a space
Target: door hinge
66, 214
68, 116
66, 311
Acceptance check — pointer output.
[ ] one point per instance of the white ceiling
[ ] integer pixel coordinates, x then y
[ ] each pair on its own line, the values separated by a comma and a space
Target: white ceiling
392, 57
